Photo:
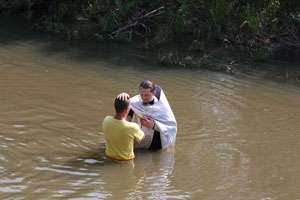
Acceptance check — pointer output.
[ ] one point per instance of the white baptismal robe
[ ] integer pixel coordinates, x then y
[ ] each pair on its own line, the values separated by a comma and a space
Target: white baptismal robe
163, 118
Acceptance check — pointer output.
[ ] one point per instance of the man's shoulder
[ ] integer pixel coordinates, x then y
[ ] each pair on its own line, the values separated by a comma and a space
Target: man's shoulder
107, 118
123, 123
132, 125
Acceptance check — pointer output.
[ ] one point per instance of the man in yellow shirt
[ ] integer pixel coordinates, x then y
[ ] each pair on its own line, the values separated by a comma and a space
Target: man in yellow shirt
120, 134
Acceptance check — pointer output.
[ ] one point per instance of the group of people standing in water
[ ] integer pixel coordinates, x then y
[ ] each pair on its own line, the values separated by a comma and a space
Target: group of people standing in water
144, 121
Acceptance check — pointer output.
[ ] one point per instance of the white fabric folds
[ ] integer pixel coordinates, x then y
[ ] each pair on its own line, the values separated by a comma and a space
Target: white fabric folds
163, 118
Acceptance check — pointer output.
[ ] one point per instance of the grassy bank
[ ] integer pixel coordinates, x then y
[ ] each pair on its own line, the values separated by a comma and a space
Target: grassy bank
262, 28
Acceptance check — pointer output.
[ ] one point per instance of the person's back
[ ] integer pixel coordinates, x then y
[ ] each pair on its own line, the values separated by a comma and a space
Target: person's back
120, 134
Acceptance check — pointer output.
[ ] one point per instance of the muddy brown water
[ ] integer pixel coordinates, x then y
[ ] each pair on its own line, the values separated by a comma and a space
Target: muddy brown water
238, 136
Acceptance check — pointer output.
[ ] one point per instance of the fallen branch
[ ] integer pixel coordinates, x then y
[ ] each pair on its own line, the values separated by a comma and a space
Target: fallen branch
123, 28
151, 14
137, 21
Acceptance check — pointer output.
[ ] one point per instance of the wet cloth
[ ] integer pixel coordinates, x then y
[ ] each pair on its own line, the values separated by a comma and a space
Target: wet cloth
119, 136
163, 117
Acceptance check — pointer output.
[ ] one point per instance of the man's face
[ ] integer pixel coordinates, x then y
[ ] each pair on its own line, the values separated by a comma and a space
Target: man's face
146, 95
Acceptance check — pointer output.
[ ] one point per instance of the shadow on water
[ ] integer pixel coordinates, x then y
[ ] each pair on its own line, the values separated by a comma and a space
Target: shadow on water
13, 32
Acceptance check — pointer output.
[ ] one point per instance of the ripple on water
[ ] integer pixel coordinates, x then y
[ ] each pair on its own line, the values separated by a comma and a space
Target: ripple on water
23, 144
3, 158
7, 180
92, 161
62, 171
227, 125
3, 146
19, 125
13, 189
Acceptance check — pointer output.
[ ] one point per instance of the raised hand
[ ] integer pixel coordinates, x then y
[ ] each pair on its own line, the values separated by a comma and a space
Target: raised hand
123, 96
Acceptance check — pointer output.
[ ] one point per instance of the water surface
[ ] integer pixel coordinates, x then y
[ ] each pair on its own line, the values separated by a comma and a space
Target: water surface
238, 135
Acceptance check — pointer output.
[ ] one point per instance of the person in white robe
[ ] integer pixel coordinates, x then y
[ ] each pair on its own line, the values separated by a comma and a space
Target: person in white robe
151, 110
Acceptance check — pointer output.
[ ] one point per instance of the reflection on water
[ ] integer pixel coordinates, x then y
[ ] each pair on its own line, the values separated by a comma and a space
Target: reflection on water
238, 136
148, 175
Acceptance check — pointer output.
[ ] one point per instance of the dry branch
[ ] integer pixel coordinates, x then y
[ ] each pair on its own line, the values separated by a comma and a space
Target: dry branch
137, 21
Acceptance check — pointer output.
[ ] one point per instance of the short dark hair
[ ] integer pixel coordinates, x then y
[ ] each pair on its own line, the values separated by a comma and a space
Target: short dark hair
121, 105
147, 85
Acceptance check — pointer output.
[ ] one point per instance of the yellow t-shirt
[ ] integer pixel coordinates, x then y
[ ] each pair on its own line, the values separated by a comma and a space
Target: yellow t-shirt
119, 137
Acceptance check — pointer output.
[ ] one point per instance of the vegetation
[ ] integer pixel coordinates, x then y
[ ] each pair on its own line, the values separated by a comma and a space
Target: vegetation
265, 28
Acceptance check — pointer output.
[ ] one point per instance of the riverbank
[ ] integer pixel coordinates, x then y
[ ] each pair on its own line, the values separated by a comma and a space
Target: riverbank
227, 60
182, 33
263, 29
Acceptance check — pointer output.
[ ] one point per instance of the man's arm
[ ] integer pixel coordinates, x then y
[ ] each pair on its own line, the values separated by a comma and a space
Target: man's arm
130, 115
139, 135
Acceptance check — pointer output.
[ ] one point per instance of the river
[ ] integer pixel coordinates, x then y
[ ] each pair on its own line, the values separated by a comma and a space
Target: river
238, 135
